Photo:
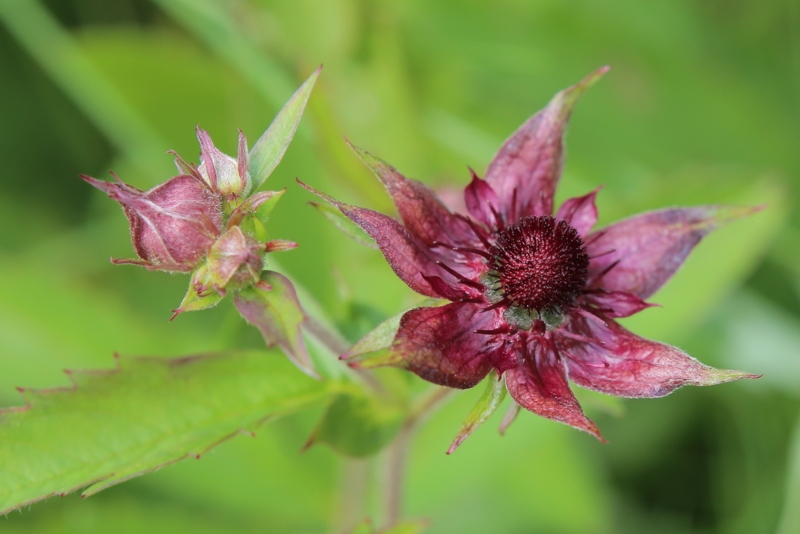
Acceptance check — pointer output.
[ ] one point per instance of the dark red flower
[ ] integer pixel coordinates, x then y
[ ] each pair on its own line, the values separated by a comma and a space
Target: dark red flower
534, 294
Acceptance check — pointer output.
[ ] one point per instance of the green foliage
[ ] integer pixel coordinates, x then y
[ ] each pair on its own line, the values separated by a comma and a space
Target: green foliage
699, 108
359, 425
270, 147
149, 412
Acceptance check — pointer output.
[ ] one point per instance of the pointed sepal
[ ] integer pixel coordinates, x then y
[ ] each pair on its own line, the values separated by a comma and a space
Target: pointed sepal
492, 396
526, 170
201, 294
345, 225
272, 306
271, 146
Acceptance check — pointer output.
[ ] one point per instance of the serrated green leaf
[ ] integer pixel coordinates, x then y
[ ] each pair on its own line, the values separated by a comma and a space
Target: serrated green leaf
270, 147
273, 308
348, 227
488, 402
116, 424
358, 425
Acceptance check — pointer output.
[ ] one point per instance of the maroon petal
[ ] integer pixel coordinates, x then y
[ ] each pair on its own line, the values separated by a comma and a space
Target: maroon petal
539, 384
638, 255
420, 209
617, 304
409, 258
580, 212
627, 365
525, 171
440, 346
480, 198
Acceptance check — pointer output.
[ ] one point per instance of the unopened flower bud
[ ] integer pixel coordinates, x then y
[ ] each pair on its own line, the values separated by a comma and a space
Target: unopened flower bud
172, 224
235, 260
230, 177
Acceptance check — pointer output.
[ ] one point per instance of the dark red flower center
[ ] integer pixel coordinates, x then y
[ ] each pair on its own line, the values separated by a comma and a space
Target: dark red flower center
541, 264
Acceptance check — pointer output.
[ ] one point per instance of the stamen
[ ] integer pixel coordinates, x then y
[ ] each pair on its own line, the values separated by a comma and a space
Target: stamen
595, 237
605, 271
500, 224
470, 250
479, 232
495, 332
606, 253
502, 302
513, 214
460, 277
591, 316
577, 337
587, 364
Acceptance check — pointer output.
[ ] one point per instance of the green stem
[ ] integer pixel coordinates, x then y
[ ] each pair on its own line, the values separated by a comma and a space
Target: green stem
397, 455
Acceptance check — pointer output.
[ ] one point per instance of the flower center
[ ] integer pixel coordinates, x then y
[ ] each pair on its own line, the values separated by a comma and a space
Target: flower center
540, 264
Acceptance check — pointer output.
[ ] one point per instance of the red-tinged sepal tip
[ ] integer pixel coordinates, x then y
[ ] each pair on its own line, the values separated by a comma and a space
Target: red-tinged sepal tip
263, 286
254, 212
509, 417
369, 360
201, 294
279, 245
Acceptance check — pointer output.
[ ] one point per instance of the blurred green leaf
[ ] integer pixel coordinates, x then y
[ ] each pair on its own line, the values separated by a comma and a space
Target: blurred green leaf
117, 424
790, 518
358, 424
223, 29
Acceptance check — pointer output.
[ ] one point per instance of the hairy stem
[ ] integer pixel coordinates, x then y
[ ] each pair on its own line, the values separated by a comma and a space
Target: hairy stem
331, 339
397, 454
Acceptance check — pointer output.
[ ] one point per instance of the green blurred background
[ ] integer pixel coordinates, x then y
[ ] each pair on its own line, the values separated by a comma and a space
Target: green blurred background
702, 105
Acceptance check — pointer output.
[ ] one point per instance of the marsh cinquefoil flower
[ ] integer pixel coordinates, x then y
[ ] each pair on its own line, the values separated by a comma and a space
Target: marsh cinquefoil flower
534, 293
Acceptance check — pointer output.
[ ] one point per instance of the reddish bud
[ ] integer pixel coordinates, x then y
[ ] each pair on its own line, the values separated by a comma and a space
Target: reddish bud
235, 260
172, 224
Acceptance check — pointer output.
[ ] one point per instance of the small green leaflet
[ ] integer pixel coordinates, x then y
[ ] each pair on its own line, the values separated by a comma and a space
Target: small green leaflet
270, 147
359, 424
273, 308
491, 398
149, 412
